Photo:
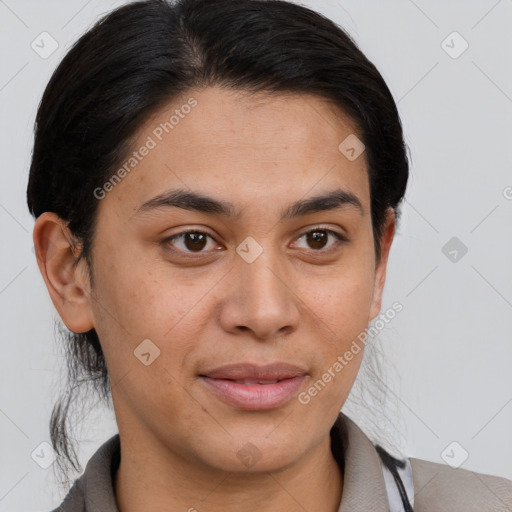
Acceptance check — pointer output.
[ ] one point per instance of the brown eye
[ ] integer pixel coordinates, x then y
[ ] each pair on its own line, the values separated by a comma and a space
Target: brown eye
194, 241
318, 238
189, 241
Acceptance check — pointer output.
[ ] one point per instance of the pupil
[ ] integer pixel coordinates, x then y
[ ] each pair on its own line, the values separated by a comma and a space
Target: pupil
317, 237
198, 241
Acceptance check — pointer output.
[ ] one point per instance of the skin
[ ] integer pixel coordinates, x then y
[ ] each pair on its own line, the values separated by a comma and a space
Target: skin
298, 302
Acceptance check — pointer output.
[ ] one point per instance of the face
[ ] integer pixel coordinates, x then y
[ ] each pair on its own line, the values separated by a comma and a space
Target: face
197, 327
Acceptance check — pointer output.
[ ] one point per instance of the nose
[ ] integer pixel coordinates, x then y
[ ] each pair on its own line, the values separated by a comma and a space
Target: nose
260, 299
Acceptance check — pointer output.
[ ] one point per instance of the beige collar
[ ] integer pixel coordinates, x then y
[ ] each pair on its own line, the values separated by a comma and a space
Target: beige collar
364, 488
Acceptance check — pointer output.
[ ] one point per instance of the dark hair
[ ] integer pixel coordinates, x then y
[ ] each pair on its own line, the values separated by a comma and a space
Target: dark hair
141, 56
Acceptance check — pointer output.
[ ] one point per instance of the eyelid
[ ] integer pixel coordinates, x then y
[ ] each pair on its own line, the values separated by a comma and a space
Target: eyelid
322, 227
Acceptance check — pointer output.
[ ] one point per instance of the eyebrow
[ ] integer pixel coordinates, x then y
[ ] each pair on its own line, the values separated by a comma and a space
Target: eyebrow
194, 201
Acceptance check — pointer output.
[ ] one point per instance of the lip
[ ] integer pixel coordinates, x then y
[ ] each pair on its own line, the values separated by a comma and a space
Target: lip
251, 387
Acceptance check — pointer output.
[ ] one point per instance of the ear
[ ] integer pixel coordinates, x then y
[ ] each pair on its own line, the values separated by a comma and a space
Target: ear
380, 270
65, 276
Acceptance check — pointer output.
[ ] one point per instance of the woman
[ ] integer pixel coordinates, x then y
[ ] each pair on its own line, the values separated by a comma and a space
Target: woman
216, 186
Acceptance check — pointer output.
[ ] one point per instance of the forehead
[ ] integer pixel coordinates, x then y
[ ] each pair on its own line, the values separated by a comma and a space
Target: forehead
232, 145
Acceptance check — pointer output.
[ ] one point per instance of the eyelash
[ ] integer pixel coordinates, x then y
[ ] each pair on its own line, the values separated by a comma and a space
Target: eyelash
340, 240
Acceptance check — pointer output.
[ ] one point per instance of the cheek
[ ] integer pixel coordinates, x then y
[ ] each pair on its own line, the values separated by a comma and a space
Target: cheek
342, 301
141, 299
131, 288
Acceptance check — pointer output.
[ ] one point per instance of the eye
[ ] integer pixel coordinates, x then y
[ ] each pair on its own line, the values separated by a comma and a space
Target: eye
318, 237
192, 241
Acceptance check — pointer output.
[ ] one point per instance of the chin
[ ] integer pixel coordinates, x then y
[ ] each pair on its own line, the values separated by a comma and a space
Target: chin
254, 450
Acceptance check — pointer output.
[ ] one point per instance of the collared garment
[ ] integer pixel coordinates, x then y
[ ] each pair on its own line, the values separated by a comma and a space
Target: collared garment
368, 486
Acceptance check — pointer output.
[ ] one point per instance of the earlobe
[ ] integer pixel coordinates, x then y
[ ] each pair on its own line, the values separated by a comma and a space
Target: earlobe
65, 277
380, 271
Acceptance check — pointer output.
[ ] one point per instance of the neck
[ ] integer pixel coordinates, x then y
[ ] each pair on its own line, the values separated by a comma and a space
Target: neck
161, 481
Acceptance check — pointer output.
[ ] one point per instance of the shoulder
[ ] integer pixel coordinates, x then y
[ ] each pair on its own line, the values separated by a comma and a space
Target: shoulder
457, 489
74, 500
94, 489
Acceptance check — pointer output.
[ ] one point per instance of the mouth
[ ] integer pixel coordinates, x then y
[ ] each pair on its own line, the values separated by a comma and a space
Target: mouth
251, 387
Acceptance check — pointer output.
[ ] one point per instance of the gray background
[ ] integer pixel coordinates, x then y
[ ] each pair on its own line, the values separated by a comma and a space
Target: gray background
447, 354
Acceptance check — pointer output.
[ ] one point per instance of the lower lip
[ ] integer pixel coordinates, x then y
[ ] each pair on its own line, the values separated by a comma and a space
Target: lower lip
254, 397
